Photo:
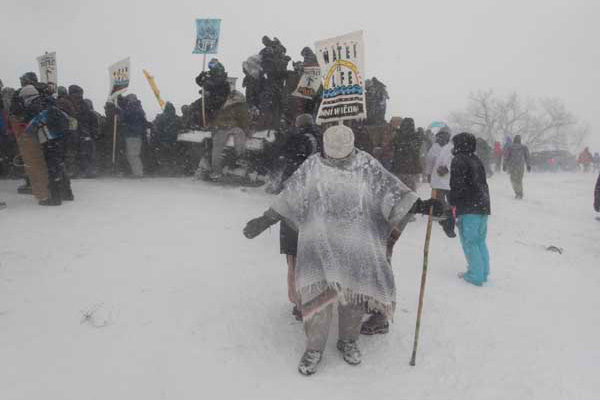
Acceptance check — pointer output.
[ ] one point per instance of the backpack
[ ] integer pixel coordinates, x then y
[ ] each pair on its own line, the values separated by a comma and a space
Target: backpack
57, 120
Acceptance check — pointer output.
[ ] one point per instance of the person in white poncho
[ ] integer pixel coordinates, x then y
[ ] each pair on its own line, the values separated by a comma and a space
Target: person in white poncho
344, 204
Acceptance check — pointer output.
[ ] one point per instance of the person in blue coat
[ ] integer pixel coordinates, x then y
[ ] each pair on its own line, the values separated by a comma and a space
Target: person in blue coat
469, 193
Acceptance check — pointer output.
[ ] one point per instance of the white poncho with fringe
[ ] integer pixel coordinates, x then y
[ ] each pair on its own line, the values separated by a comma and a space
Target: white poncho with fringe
344, 211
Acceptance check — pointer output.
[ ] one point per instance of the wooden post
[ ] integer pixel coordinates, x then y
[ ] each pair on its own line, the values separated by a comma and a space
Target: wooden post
114, 149
203, 95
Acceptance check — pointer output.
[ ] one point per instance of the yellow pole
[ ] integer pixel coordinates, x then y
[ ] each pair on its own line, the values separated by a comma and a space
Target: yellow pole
154, 88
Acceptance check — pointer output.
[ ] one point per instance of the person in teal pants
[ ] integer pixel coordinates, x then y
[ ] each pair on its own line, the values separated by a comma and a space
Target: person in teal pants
470, 194
472, 229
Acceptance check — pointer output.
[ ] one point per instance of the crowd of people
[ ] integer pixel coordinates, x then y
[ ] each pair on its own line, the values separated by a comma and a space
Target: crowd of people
344, 193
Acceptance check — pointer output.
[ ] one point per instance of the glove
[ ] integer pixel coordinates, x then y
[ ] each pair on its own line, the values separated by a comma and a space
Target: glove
504, 168
528, 168
423, 206
258, 225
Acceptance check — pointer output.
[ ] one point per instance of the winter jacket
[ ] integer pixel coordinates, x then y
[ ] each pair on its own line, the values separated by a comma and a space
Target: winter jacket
25, 109
87, 123
134, 120
597, 195
166, 125
469, 191
516, 156
303, 143
234, 114
484, 151
585, 157
443, 161
407, 149
3, 125
431, 158
53, 122
65, 105
214, 81
382, 141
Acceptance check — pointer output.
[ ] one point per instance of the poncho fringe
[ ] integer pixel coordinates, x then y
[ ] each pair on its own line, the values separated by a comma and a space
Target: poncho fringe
332, 292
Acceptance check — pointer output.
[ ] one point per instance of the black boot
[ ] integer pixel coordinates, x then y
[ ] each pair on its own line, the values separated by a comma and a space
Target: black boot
448, 225
25, 188
66, 192
55, 197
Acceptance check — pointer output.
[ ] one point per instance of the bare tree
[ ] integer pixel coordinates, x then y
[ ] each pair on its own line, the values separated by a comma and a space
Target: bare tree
544, 124
481, 115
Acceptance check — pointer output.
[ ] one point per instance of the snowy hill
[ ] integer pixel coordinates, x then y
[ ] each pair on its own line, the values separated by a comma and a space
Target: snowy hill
148, 290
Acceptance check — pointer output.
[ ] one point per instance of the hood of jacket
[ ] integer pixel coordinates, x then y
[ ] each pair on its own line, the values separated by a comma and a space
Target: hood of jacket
235, 97
464, 143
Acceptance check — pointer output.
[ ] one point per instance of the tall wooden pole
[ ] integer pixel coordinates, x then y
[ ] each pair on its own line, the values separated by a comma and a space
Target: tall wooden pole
203, 95
114, 149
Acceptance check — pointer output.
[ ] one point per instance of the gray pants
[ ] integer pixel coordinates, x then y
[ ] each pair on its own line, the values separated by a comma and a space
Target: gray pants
516, 179
317, 327
133, 146
220, 139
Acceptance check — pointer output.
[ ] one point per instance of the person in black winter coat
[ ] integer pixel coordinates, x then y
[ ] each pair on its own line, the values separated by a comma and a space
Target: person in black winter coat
133, 128
597, 195
407, 153
217, 89
304, 142
469, 193
83, 143
164, 147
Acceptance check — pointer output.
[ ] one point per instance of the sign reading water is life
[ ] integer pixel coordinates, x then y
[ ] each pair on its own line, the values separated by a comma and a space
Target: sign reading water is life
207, 36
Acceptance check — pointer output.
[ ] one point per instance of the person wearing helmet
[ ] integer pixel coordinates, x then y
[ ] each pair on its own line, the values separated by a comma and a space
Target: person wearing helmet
344, 204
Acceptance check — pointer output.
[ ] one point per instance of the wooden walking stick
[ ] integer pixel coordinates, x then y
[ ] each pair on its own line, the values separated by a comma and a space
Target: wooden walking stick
413, 359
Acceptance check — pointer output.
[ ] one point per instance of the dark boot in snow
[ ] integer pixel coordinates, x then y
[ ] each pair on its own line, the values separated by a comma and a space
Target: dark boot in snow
297, 314
377, 324
448, 226
55, 196
25, 189
350, 351
309, 361
66, 192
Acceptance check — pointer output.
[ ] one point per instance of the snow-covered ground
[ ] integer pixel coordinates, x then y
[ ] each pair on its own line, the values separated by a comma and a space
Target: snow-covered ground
148, 290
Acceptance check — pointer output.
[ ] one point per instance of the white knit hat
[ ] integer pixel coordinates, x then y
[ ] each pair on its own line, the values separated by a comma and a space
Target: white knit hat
338, 141
28, 94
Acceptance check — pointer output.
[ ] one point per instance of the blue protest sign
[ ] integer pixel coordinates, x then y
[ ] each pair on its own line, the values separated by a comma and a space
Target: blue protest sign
207, 36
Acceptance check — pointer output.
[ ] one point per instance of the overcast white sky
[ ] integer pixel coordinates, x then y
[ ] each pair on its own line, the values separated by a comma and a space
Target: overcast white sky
430, 54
